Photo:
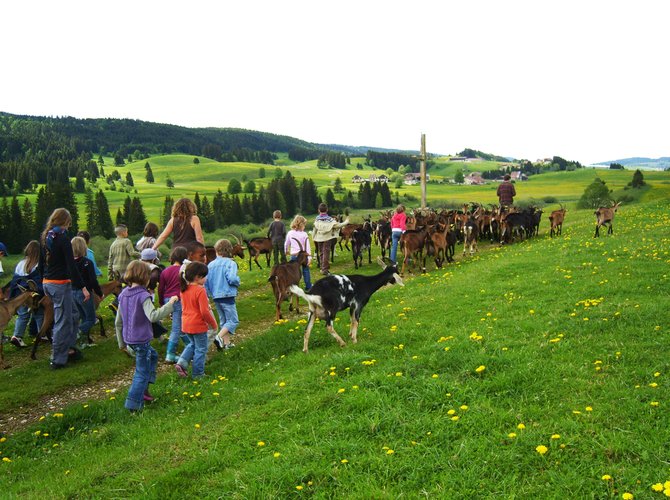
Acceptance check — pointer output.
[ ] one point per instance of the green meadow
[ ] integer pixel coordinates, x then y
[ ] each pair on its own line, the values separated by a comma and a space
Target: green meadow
532, 370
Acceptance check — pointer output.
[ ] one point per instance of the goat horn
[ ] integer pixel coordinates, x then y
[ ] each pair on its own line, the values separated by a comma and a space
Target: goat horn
236, 238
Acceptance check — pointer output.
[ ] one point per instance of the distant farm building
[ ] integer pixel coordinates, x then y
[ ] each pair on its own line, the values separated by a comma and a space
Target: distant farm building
518, 176
414, 178
357, 179
474, 179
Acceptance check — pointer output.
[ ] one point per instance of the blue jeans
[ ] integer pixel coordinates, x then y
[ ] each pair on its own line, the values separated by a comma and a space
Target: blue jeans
175, 331
227, 315
66, 321
395, 238
86, 313
306, 277
146, 359
196, 350
23, 319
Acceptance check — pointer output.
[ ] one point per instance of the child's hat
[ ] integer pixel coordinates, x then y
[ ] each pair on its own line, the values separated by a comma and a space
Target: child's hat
3, 249
149, 254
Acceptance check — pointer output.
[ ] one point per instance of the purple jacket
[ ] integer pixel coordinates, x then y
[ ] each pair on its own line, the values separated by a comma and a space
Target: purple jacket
136, 315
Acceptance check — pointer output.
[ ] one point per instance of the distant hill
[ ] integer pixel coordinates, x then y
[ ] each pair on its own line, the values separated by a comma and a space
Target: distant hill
641, 162
20, 133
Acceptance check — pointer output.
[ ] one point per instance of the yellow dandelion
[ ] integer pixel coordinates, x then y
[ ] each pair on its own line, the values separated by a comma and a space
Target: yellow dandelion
627, 496
657, 487
588, 408
282, 384
480, 369
555, 436
344, 461
215, 394
340, 391
606, 477
3, 439
390, 451
511, 435
541, 449
276, 454
197, 426
455, 418
464, 407
6, 459
260, 443
654, 403
299, 487
435, 375
398, 374
521, 426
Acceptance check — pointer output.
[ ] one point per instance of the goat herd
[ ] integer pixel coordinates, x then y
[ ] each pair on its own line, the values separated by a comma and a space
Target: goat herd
429, 234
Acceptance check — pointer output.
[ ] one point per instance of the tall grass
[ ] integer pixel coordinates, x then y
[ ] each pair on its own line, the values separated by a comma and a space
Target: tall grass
458, 379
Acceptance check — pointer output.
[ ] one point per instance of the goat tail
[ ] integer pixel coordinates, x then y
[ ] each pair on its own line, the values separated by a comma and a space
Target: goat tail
310, 299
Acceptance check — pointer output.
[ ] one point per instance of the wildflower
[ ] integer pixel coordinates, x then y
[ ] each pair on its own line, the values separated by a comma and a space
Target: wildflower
464, 407
511, 435
340, 391
398, 374
455, 418
627, 496
606, 477
197, 426
435, 375
282, 384
3, 439
276, 454
654, 403
299, 487
215, 394
541, 449
657, 487
260, 443
390, 451
588, 408
555, 436
6, 459
344, 461
480, 369
521, 426
58, 415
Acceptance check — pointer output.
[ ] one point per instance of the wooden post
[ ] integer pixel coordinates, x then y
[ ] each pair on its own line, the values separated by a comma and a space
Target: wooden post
423, 171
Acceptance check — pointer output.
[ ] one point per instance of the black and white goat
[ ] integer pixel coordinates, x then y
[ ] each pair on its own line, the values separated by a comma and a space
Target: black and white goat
336, 292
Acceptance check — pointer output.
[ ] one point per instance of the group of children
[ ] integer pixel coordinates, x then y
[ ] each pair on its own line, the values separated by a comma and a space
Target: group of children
184, 289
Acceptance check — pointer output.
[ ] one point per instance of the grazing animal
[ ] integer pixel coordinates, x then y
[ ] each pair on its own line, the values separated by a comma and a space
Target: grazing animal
361, 240
259, 246
336, 292
283, 276
346, 232
412, 242
383, 235
556, 220
470, 235
113, 287
604, 217
238, 250
8, 309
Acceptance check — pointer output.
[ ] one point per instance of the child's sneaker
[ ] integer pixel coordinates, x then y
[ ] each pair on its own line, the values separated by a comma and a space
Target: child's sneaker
219, 343
171, 358
229, 345
148, 397
180, 370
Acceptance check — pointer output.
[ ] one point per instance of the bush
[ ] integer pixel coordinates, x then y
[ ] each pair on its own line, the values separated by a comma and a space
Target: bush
595, 195
550, 199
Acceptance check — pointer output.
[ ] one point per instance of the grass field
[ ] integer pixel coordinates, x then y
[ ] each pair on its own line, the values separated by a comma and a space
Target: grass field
536, 370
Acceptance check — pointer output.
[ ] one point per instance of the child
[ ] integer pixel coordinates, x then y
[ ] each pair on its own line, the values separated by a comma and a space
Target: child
168, 287
222, 287
90, 255
151, 257
136, 313
292, 248
148, 237
121, 252
86, 308
196, 319
325, 229
26, 270
196, 252
277, 233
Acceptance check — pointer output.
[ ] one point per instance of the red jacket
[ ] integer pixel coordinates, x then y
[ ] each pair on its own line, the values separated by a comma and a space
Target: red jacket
196, 316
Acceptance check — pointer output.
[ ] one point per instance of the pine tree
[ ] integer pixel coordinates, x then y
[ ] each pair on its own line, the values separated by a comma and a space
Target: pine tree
28, 221
638, 179
137, 219
150, 175
168, 182
15, 229
218, 209
129, 179
89, 203
119, 217
289, 191
103, 220
196, 202
167, 210
207, 215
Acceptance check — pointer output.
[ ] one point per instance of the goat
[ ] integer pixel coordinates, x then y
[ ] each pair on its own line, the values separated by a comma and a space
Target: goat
7, 310
113, 287
283, 276
470, 235
259, 246
346, 232
412, 243
605, 216
361, 240
556, 220
441, 244
336, 292
383, 235
238, 250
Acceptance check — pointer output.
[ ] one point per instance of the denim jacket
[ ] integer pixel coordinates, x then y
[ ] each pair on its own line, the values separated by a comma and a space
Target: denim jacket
222, 279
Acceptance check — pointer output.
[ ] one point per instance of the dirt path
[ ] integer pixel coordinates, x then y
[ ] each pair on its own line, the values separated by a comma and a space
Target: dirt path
23, 416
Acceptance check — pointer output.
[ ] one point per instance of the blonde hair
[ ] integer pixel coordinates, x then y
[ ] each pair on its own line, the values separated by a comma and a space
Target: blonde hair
79, 246
137, 272
224, 248
120, 229
59, 217
32, 253
298, 222
400, 209
184, 209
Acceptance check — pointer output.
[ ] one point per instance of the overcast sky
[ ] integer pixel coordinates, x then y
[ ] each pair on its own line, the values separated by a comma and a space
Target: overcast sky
585, 80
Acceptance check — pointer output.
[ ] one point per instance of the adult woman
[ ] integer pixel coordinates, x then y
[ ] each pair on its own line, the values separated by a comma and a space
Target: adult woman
398, 226
184, 224
60, 275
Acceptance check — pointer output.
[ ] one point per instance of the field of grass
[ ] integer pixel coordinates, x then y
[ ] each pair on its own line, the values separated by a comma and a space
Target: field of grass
533, 370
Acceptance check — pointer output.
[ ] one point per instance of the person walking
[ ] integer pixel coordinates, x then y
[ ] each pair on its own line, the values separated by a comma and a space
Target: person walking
277, 233
296, 240
398, 226
325, 229
506, 192
26, 270
60, 276
222, 284
184, 225
133, 322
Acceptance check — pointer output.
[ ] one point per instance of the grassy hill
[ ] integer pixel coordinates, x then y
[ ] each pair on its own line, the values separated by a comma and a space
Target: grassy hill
532, 370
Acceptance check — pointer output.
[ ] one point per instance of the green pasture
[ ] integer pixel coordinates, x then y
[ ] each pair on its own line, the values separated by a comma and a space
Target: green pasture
534, 370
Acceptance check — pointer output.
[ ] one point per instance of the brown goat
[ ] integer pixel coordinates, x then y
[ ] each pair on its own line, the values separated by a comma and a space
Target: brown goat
556, 220
412, 243
259, 246
605, 216
283, 276
7, 310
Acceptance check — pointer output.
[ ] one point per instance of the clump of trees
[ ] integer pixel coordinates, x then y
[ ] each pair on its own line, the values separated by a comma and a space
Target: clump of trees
595, 195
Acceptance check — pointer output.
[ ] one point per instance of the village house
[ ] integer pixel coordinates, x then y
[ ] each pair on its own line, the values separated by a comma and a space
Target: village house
357, 179
415, 178
518, 176
474, 179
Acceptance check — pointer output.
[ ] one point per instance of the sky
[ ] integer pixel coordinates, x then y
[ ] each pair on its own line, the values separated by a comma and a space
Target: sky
585, 80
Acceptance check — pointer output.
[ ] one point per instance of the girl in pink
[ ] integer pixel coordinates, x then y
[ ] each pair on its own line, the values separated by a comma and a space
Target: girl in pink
398, 226
292, 247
